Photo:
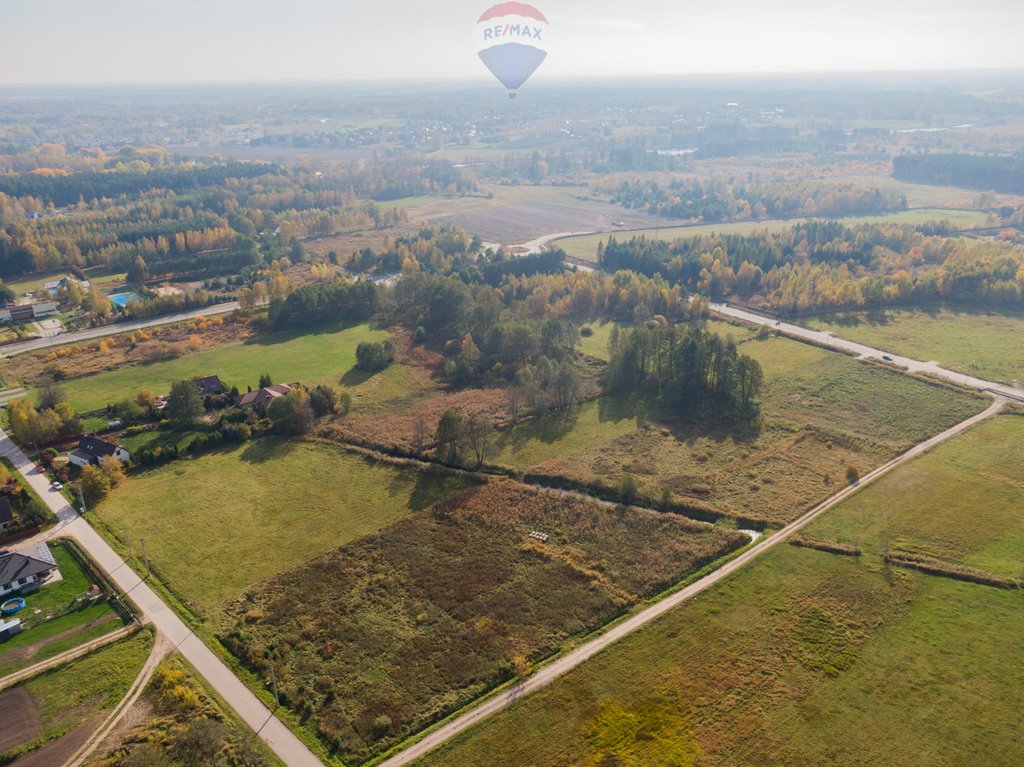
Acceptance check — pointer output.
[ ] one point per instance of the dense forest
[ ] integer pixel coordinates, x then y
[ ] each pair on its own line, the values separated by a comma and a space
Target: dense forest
713, 201
986, 172
823, 265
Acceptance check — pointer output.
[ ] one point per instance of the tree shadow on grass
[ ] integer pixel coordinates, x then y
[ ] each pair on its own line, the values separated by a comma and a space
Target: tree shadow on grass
354, 377
263, 450
275, 337
547, 428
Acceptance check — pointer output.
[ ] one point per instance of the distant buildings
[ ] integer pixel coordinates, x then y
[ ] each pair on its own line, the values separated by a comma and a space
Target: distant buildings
53, 287
91, 449
26, 312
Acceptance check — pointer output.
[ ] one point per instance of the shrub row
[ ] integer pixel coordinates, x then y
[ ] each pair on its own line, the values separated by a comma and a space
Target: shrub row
951, 570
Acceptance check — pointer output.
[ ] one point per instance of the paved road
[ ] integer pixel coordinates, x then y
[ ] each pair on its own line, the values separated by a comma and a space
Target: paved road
866, 352
288, 748
110, 330
574, 658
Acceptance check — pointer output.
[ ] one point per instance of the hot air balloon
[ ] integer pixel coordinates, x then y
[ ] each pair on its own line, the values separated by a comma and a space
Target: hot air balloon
512, 41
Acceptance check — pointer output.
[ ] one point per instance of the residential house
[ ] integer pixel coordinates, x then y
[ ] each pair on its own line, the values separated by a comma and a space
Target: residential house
6, 513
91, 449
53, 287
263, 397
25, 570
210, 385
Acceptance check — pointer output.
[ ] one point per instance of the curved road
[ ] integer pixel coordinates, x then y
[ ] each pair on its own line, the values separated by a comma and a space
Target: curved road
113, 330
277, 736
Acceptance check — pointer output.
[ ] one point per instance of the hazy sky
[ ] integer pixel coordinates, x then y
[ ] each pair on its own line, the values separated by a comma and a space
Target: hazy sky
105, 41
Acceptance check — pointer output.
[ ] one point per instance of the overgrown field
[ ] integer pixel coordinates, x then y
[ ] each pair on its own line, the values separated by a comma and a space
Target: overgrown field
179, 714
61, 701
376, 639
806, 657
584, 248
215, 525
310, 358
821, 413
986, 344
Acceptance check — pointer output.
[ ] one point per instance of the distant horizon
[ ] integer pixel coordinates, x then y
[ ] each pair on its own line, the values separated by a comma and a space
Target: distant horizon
145, 42
486, 81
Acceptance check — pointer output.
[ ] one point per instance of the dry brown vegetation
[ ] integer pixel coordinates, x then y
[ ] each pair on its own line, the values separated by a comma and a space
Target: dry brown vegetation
117, 351
372, 642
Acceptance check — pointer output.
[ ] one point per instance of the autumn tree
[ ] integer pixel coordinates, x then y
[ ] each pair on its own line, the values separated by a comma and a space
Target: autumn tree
94, 483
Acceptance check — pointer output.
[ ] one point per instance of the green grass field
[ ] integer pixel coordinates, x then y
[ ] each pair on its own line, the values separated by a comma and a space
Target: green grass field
821, 412
72, 695
288, 357
810, 658
44, 637
584, 248
97, 276
217, 524
596, 345
981, 343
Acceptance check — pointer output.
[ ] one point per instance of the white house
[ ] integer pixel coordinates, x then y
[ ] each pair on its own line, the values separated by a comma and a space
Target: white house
91, 449
25, 570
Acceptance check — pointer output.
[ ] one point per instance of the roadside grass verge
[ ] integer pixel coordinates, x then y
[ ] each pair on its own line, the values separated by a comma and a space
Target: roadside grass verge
979, 342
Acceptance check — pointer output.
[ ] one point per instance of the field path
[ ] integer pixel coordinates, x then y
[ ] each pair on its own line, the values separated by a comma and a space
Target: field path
570, 660
161, 647
67, 656
276, 735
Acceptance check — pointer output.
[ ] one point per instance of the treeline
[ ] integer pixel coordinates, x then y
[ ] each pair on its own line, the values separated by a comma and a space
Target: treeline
68, 189
826, 265
325, 303
689, 368
713, 201
990, 173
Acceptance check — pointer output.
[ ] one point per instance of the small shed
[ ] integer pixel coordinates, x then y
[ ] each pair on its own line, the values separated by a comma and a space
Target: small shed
9, 628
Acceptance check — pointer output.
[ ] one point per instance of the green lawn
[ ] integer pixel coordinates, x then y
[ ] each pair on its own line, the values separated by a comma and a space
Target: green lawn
981, 343
584, 247
217, 524
96, 276
289, 357
71, 695
820, 413
809, 658
43, 637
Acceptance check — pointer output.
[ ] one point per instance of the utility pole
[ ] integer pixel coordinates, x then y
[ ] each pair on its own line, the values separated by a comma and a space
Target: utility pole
128, 542
145, 558
273, 681
81, 499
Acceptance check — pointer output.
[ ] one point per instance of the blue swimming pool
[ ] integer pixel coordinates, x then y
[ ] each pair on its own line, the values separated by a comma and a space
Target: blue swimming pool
125, 298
